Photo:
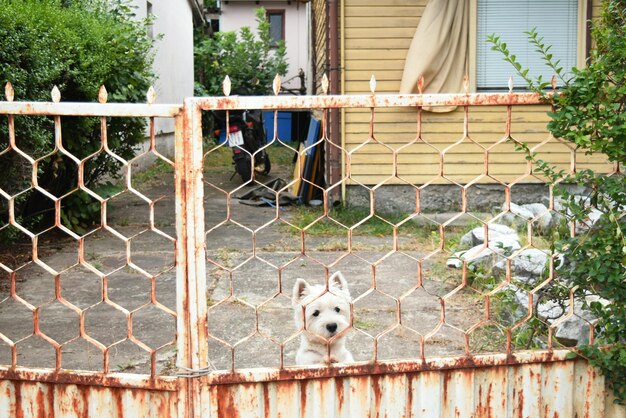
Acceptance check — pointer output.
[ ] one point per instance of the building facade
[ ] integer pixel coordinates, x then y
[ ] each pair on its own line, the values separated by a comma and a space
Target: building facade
289, 21
378, 38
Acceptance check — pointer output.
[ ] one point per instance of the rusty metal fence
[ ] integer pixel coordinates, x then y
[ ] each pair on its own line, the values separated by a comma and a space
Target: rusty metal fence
87, 308
179, 301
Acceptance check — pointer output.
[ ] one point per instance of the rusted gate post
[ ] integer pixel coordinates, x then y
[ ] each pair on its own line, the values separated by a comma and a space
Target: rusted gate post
191, 289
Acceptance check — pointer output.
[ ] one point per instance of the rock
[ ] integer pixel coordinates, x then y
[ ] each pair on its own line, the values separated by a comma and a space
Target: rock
573, 331
496, 233
521, 296
570, 332
475, 256
536, 209
480, 255
543, 218
590, 298
454, 262
548, 311
558, 212
517, 215
541, 213
527, 266
502, 239
558, 203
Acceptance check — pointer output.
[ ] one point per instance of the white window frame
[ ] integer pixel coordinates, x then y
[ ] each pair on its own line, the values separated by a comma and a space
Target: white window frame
580, 42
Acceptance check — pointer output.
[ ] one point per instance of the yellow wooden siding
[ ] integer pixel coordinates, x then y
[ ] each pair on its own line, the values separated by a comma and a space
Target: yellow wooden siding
377, 37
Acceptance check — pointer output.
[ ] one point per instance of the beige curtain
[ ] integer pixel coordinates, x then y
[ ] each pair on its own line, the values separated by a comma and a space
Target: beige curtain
439, 50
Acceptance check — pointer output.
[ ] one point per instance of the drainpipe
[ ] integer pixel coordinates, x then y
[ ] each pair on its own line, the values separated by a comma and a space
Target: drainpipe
197, 10
588, 28
334, 156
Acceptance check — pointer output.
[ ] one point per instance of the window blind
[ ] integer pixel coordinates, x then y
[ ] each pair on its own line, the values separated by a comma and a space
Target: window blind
277, 23
556, 21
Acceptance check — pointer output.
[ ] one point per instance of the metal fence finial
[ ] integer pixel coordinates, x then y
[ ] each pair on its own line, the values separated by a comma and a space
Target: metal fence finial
103, 95
226, 86
8, 91
373, 84
420, 84
510, 84
276, 85
325, 84
56, 94
151, 95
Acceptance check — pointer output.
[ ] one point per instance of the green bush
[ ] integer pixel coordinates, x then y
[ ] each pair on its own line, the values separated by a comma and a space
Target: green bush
77, 46
590, 112
246, 57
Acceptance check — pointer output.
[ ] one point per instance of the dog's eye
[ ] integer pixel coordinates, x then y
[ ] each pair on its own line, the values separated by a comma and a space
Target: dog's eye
337, 309
316, 313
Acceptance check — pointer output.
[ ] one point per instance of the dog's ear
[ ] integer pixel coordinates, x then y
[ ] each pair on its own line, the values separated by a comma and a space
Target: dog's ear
300, 290
338, 282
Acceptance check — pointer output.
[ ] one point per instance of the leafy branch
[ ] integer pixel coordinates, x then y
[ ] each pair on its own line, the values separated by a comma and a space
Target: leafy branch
589, 112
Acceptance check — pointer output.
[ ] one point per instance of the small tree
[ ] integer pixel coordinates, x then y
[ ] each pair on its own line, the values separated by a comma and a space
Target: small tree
590, 112
247, 58
77, 46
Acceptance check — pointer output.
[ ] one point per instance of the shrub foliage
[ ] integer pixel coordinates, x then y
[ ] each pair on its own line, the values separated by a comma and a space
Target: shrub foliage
248, 58
77, 46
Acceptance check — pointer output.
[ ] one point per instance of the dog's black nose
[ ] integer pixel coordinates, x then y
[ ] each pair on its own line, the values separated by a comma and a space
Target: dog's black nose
331, 327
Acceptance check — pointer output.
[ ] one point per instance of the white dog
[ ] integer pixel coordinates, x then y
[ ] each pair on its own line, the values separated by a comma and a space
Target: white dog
327, 314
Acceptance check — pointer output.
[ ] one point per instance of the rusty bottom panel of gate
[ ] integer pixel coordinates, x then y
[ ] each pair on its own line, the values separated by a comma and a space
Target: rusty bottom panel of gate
36, 399
551, 389
531, 388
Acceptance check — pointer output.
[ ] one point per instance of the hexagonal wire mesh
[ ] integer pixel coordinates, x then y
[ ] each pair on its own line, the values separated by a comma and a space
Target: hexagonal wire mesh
419, 286
75, 296
460, 268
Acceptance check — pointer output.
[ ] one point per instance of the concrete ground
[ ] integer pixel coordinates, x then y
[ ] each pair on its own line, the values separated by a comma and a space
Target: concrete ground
245, 287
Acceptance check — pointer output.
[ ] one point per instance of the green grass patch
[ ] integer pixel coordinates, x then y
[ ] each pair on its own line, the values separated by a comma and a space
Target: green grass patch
221, 158
340, 218
157, 169
280, 155
218, 158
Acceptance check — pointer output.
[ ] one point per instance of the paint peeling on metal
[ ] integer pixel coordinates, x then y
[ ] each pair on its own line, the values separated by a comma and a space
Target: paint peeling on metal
385, 395
366, 101
384, 367
33, 399
341, 397
90, 109
167, 383
376, 391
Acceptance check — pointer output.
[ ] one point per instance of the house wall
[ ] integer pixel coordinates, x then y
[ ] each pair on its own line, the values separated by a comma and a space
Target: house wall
237, 14
173, 61
377, 36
